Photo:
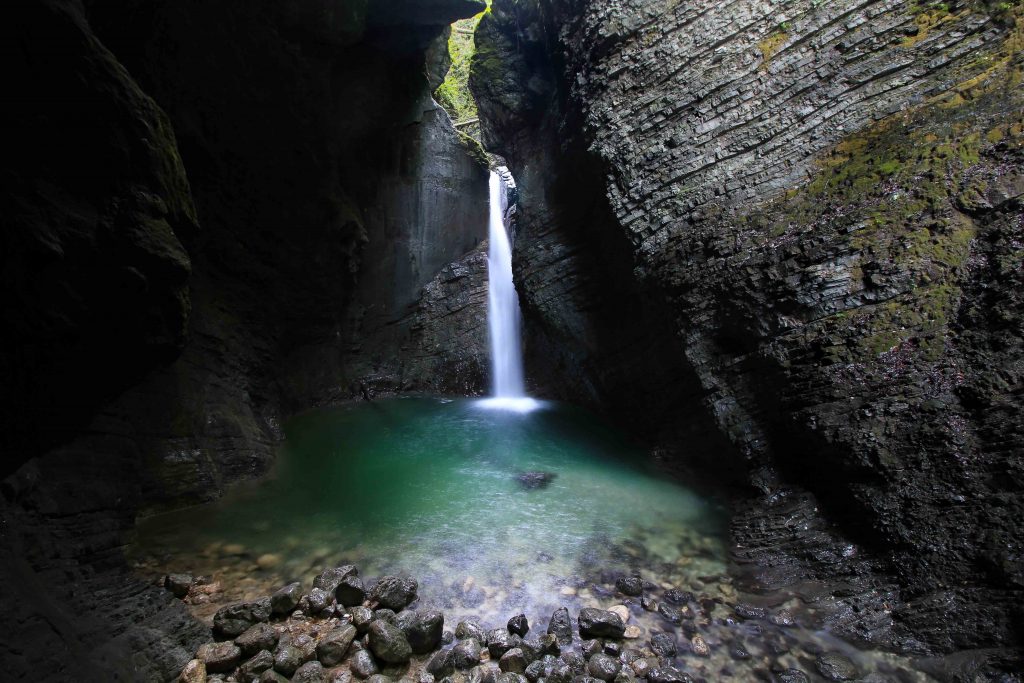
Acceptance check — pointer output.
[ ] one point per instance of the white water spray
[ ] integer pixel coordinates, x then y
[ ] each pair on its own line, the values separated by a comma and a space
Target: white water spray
508, 388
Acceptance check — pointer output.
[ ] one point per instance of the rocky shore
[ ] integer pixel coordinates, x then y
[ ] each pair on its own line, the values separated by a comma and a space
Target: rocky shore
342, 628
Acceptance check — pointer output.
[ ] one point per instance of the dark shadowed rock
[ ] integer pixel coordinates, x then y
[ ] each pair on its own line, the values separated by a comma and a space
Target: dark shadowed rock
256, 665
500, 641
233, 620
599, 623
286, 599
363, 665
630, 585
518, 625
442, 664
287, 659
389, 643
271, 676
466, 653
560, 625
361, 618
350, 591
470, 629
664, 644
511, 677
535, 480
310, 672
603, 667
393, 592
329, 579
178, 584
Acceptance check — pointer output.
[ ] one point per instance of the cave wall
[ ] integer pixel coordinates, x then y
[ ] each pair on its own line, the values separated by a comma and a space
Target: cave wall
192, 195
823, 202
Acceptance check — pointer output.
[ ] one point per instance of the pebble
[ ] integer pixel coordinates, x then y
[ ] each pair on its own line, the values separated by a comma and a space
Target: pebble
836, 667
622, 611
268, 561
194, 672
699, 646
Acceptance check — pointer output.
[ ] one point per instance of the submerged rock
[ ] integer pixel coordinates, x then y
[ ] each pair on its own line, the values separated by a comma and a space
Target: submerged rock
836, 667
793, 676
603, 667
599, 623
664, 644
668, 674
535, 480
630, 585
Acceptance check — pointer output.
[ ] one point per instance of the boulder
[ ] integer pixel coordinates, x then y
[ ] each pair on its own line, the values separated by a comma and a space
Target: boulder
560, 625
389, 643
286, 599
233, 620
599, 623
603, 667
350, 591
219, 657
393, 592
518, 625
334, 645
255, 638
329, 579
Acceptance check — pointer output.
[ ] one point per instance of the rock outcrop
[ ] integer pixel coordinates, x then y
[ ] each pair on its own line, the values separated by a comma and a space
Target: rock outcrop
204, 206
797, 227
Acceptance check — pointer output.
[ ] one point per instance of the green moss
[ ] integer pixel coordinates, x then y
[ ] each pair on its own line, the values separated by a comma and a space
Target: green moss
453, 94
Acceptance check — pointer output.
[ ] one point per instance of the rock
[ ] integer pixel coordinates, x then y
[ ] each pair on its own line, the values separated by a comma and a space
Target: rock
649, 604
644, 665
699, 646
535, 480
334, 645
575, 661
310, 672
782, 618
422, 629
271, 676
389, 643
319, 600
739, 651
599, 623
394, 593
589, 648
470, 629
749, 612
612, 648
671, 613
514, 660
664, 644
350, 591
560, 626
194, 672
500, 641
559, 673
363, 665
668, 674
268, 561
535, 671
329, 579
466, 653
178, 584
630, 585
622, 611
233, 620
678, 597
518, 625
219, 657
378, 678
625, 676
511, 677
603, 667
443, 663
361, 618
287, 659
385, 615
836, 667
257, 637
286, 599
792, 676
632, 632
425, 677
251, 669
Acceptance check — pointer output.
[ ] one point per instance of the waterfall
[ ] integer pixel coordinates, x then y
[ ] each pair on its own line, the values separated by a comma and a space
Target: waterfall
508, 388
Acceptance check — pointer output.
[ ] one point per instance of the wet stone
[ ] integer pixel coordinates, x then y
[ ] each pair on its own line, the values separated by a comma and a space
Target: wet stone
423, 630
512, 677
664, 645
749, 612
194, 672
612, 648
603, 667
389, 643
513, 661
441, 664
319, 600
334, 645
378, 678
679, 597
599, 623
470, 629
500, 641
782, 618
329, 579
361, 618
792, 676
670, 613
630, 585
836, 667
518, 625
287, 659
310, 672
178, 584
739, 651
466, 653
560, 626
699, 646
575, 661
363, 665
668, 674
257, 664
233, 620
649, 604
641, 667
535, 670
271, 676
589, 648
393, 592
219, 657
257, 637
559, 673
350, 591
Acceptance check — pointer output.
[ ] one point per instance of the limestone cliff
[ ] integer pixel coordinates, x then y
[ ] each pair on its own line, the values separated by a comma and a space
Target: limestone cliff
802, 223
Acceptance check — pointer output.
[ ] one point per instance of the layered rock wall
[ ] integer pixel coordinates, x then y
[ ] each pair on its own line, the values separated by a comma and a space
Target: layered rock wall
822, 201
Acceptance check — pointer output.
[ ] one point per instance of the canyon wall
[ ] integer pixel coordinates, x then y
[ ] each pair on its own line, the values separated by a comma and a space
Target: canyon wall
801, 224
215, 214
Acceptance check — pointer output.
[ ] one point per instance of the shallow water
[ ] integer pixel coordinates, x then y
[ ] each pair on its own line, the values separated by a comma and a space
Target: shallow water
430, 488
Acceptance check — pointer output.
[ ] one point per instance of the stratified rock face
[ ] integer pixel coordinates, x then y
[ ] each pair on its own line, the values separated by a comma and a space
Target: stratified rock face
821, 201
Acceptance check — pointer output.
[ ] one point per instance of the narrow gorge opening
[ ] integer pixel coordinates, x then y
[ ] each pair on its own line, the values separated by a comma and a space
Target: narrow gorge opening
513, 341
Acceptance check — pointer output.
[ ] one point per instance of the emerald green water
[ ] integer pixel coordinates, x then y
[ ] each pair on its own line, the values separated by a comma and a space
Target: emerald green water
428, 487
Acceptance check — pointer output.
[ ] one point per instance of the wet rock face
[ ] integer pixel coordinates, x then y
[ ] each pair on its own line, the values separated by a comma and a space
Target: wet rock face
813, 267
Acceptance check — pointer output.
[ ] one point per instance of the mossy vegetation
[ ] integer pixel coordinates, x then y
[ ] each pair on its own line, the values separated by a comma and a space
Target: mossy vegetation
895, 203
772, 44
453, 94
